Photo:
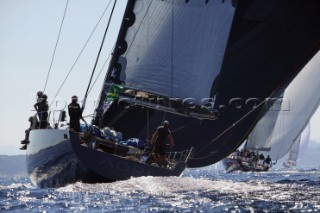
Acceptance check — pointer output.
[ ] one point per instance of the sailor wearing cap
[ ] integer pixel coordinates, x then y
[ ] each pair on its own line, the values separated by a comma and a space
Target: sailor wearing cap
75, 114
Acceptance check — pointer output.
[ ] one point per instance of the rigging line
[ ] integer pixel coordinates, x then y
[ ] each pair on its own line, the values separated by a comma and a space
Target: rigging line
164, 115
172, 48
282, 128
55, 48
78, 57
134, 37
148, 124
103, 66
97, 59
181, 127
225, 131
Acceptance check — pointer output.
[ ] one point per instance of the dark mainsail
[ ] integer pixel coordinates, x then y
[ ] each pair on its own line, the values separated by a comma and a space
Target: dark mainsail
230, 55
176, 49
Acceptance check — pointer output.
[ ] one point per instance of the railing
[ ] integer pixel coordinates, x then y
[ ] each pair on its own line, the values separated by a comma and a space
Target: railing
136, 154
182, 156
55, 122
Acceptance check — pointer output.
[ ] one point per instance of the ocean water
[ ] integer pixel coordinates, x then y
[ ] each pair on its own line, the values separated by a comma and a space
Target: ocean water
197, 190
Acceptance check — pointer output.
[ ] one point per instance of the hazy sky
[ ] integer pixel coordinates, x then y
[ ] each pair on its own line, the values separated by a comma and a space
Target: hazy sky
28, 33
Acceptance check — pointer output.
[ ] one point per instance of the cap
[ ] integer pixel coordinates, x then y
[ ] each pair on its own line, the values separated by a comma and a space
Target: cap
166, 123
74, 97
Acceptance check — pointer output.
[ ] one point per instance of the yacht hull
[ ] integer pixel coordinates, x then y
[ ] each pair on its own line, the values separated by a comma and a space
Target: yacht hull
51, 161
236, 164
116, 167
56, 158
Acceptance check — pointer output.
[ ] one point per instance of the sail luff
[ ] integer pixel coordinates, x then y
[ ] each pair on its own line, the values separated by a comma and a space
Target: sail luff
294, 151
126, 20
98, 57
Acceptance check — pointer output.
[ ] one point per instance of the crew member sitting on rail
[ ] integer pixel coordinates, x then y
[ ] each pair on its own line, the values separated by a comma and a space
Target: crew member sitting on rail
34, 124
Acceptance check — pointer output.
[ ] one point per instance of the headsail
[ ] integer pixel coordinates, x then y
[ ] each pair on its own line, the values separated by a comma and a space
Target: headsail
294, 151
238, 51
299, 145
281, 126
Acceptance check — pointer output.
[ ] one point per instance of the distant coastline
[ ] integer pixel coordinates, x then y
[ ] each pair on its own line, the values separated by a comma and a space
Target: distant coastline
14, 165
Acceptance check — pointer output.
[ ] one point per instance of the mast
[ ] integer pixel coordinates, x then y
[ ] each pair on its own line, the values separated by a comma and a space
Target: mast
97, 59
120, 48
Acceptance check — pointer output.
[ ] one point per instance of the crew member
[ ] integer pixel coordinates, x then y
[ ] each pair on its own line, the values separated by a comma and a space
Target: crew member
42, 108
34, 124
267, 161
75, 114
160, 137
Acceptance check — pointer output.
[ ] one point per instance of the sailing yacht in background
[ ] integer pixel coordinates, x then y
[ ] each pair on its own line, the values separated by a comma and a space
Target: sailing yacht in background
298, 148
280, 130
207, 66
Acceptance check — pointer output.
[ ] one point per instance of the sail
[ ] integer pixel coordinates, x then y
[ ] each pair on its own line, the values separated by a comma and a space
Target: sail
188, 44
299, 146
304, 141
294, 151
260, 137
239, 52
280, 128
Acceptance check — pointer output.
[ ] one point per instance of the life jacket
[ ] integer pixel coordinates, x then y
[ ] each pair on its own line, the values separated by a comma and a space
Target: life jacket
74, 111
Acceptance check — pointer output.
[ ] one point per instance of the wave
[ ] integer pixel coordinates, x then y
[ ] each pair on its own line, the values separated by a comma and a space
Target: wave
162, 185
203, 189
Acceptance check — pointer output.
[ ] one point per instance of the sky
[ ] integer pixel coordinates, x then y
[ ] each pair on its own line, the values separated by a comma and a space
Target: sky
28, 34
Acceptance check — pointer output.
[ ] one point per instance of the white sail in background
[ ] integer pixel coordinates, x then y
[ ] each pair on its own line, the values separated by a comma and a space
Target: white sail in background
298, 148
283, 124
293, 153
304, 141
300, 145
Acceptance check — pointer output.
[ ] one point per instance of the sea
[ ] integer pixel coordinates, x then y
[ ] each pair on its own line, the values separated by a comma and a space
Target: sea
206, 189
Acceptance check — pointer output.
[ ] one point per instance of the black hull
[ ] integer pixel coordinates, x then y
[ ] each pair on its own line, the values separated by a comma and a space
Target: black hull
56, 158
269, 43
115, 167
